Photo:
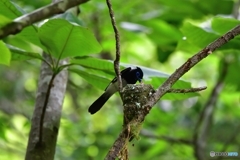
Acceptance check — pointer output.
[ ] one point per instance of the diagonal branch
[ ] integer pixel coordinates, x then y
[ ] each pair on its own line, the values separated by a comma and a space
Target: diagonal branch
165, 87
18, 24
190, 63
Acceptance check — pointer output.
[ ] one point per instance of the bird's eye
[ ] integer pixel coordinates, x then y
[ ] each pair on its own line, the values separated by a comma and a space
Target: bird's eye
138, 76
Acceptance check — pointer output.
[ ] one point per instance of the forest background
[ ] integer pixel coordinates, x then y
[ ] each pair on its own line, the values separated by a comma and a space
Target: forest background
160, 35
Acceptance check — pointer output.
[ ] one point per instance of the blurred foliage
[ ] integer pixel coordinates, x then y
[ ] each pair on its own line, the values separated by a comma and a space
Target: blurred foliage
160, 35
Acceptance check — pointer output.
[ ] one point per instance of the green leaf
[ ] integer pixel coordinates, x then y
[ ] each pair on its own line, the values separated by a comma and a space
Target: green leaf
19, 54
5, 54
64, 39
30, 34
70, 18
94, 63
98, 78
95, 71
232, 78
21, 44
187, 47
184, 8
9, 10
223, 25
162, 32
164, 52
4, 20
197, 36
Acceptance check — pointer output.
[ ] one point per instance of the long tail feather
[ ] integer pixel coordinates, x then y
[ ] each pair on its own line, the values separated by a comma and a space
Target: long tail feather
97, 105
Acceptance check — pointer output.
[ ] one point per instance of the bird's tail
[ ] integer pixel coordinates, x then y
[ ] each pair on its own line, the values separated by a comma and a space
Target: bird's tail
97, 105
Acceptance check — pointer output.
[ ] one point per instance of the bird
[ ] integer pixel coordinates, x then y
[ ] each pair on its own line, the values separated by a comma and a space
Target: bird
129, 76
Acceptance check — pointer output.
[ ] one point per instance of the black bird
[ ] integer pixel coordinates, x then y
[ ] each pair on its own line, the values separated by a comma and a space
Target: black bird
129, 76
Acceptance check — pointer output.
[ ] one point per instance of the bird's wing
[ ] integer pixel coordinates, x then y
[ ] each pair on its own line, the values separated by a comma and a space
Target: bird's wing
115, 78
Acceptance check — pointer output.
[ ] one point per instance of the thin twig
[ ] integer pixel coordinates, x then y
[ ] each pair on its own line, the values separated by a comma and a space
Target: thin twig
186, 90
117, 38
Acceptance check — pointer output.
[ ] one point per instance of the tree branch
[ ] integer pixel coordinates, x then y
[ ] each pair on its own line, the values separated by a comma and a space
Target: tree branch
117, 38
18, 24
192, 62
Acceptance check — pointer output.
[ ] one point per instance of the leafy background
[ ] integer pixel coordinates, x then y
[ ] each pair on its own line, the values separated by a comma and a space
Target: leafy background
161, 35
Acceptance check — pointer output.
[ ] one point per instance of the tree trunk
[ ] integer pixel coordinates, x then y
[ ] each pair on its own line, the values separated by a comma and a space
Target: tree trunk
52, 116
